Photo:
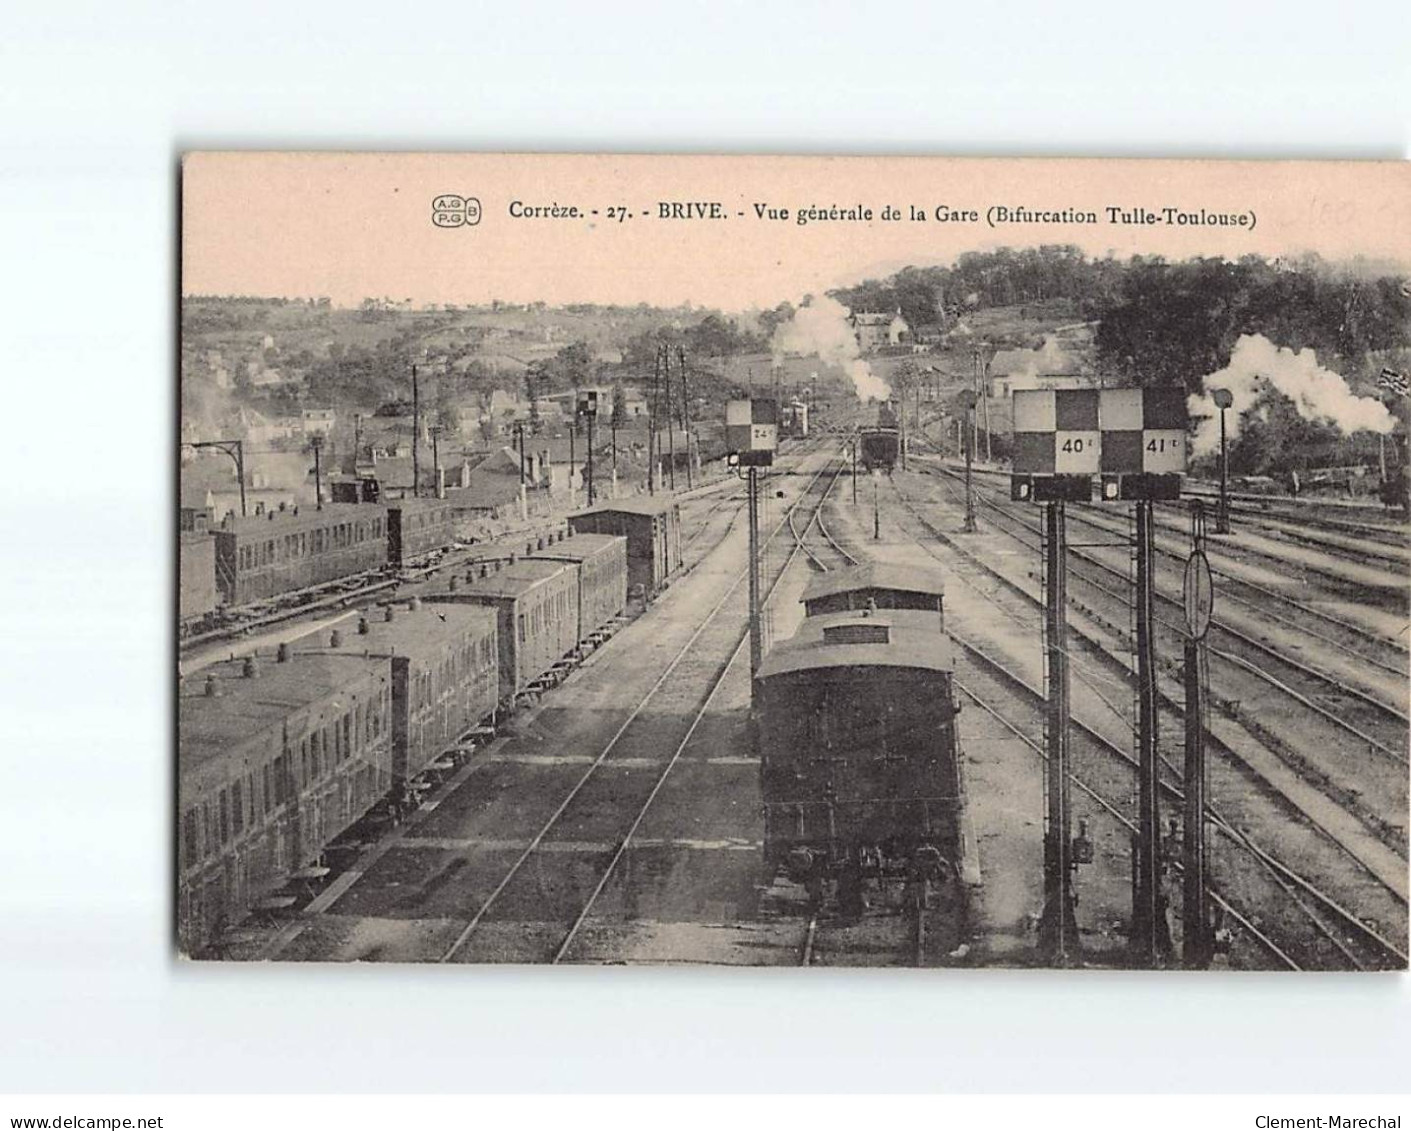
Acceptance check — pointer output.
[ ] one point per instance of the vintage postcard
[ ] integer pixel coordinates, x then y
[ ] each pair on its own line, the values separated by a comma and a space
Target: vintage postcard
793, 561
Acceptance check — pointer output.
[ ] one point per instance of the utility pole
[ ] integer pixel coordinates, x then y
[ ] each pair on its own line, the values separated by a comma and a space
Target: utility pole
853, 446
985, 401
670, 414
416, 435
686, 416
572, 456
968, 400
652, 426
316, 442
591, 494
1197, 946
436, 490
1058, 926
1148, 937
876, 508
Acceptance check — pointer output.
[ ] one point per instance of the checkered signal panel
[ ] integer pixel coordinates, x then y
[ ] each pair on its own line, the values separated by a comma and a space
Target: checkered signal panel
1090, 431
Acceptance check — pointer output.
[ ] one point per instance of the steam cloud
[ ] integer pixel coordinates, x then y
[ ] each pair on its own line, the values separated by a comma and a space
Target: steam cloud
821, 329
1317, 393
1050, 358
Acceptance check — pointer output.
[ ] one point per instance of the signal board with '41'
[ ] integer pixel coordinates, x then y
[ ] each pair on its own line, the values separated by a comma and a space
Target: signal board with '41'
1134, 438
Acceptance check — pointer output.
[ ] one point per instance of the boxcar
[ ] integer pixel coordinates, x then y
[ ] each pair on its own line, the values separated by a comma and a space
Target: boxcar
196, 571
602, 575
652, 527
282, 551
445, 674
877, 585
861, 769
536, 603
418, 526
275, 759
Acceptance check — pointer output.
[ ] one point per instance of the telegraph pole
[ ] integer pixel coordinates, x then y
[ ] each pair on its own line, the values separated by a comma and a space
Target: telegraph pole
316, 442
572, 456
416, 435
1058, 926
1149, 937
670, 414
853, 446
652, 427
686, 414
436, 461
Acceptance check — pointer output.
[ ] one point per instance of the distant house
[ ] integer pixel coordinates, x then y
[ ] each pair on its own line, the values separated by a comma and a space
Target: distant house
319, 421
876, 331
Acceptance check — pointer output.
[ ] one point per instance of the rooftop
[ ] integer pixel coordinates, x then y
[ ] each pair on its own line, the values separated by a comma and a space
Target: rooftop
410, 632
913, 639
577, 547
875, 575
212, 727
281, 521
642, 504
512, 580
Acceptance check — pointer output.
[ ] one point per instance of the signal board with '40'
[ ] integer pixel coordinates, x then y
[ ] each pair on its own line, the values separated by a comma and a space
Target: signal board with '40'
1134, 438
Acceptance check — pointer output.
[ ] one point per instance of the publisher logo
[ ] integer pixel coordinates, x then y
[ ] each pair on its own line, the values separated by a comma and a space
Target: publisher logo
450, 210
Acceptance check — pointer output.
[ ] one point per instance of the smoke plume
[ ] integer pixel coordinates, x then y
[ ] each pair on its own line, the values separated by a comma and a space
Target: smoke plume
1049, 359
821, 329
1318, 394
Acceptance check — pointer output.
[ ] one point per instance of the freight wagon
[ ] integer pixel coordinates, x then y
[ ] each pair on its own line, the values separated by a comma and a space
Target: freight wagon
652, 527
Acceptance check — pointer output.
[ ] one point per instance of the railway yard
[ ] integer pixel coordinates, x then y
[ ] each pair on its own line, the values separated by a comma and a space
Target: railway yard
612, 811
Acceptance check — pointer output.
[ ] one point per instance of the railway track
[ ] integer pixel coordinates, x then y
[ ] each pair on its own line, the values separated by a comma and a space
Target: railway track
1344, 936
641, 739
1345, 741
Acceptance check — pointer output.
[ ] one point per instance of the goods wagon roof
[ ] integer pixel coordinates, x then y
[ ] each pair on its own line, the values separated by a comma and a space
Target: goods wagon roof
578, 547
914, 640
646, 505
208, 728
411, 632
875, 575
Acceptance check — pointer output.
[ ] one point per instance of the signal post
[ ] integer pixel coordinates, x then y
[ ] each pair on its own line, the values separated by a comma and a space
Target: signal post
1135, 440
751, 437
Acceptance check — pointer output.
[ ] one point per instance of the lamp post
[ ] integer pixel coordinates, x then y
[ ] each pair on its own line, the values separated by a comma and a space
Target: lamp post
1223, 399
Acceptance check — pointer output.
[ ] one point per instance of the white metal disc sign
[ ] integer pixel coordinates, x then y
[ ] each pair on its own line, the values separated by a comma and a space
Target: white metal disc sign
1199, 595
